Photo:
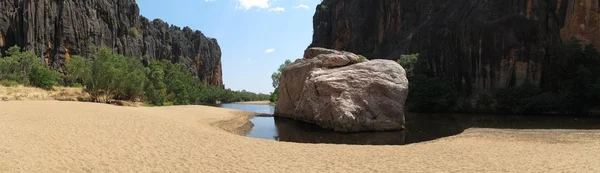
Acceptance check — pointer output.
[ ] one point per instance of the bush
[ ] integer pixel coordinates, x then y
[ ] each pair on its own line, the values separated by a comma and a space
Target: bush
156, 88
77, 85
409, 63
134, 32
8, 83
362, 59
77, 70
274, 96
430, 95
115, 76
18, 65
485, 103
44, 77
465, 105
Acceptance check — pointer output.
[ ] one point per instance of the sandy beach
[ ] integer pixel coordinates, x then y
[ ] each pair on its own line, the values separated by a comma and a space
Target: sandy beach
53, 136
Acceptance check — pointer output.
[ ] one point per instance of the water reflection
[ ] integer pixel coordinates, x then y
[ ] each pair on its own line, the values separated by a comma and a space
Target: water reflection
419, 127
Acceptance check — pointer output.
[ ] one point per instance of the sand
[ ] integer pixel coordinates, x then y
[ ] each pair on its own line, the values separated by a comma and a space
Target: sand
25, 93
53, 136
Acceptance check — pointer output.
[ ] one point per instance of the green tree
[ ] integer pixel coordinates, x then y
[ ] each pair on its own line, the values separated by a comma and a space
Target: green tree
18, 65
77, 71
274, 96
409, 63
277, 75
156, 88
115, 76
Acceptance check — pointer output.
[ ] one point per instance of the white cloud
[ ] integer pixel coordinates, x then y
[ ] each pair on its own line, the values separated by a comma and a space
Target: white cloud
277, 9
248, 4
302, 6
209, 0
271, 50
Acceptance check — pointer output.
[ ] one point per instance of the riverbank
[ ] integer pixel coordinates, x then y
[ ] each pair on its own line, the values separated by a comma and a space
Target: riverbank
53, 136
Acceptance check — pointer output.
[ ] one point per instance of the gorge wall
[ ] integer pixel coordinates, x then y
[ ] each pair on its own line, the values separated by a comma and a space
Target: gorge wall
58, 29
479, 45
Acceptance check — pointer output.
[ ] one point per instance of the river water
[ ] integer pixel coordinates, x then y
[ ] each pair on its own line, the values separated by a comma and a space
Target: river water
419, 127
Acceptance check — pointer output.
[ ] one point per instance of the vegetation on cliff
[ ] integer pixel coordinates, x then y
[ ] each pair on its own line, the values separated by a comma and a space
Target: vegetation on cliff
106, 75
575, 87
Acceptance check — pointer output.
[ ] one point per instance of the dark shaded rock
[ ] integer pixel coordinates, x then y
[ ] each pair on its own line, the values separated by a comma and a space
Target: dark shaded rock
479, 45
58, 29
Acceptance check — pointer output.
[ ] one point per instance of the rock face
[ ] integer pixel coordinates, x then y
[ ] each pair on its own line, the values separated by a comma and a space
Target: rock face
480, 45
333, 90
58, 29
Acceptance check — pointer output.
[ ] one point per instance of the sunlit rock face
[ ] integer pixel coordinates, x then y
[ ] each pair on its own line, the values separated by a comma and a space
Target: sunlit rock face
56, 30
479, 45
335, 90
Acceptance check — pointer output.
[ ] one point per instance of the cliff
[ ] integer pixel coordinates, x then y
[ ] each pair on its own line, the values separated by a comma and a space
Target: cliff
479, 45
58, 29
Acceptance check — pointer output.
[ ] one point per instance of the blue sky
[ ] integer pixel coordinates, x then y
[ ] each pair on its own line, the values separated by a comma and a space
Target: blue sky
255, 36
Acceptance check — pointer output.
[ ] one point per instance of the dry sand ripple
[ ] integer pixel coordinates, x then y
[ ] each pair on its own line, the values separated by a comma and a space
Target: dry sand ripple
52, 136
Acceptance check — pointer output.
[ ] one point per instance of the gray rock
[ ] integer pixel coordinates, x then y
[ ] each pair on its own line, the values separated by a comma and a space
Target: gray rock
57, 30
336, 92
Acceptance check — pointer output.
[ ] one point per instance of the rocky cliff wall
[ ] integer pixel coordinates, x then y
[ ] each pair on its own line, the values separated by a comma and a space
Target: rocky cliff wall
480, 45
58, 29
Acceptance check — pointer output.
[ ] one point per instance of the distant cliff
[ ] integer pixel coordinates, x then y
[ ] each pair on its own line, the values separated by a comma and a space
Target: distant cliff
479, 45
58, 29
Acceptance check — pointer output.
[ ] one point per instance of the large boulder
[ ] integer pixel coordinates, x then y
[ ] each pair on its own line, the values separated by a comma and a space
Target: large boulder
334, 90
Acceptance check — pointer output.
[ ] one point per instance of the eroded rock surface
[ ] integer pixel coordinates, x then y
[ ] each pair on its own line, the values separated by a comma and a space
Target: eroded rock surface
56, 30
479, 45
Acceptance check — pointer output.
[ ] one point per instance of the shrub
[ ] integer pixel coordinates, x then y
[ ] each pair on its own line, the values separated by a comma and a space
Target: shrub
430, 95
8, 83
77, 71
44, 77
18, 65
156, 88
465, 105
516, 100
362, 59
115, 76
77, 85
274, 96
485, 103
134, 32
409, 63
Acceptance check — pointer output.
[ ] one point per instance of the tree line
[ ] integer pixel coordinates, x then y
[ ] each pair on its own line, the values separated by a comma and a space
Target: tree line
106, 75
